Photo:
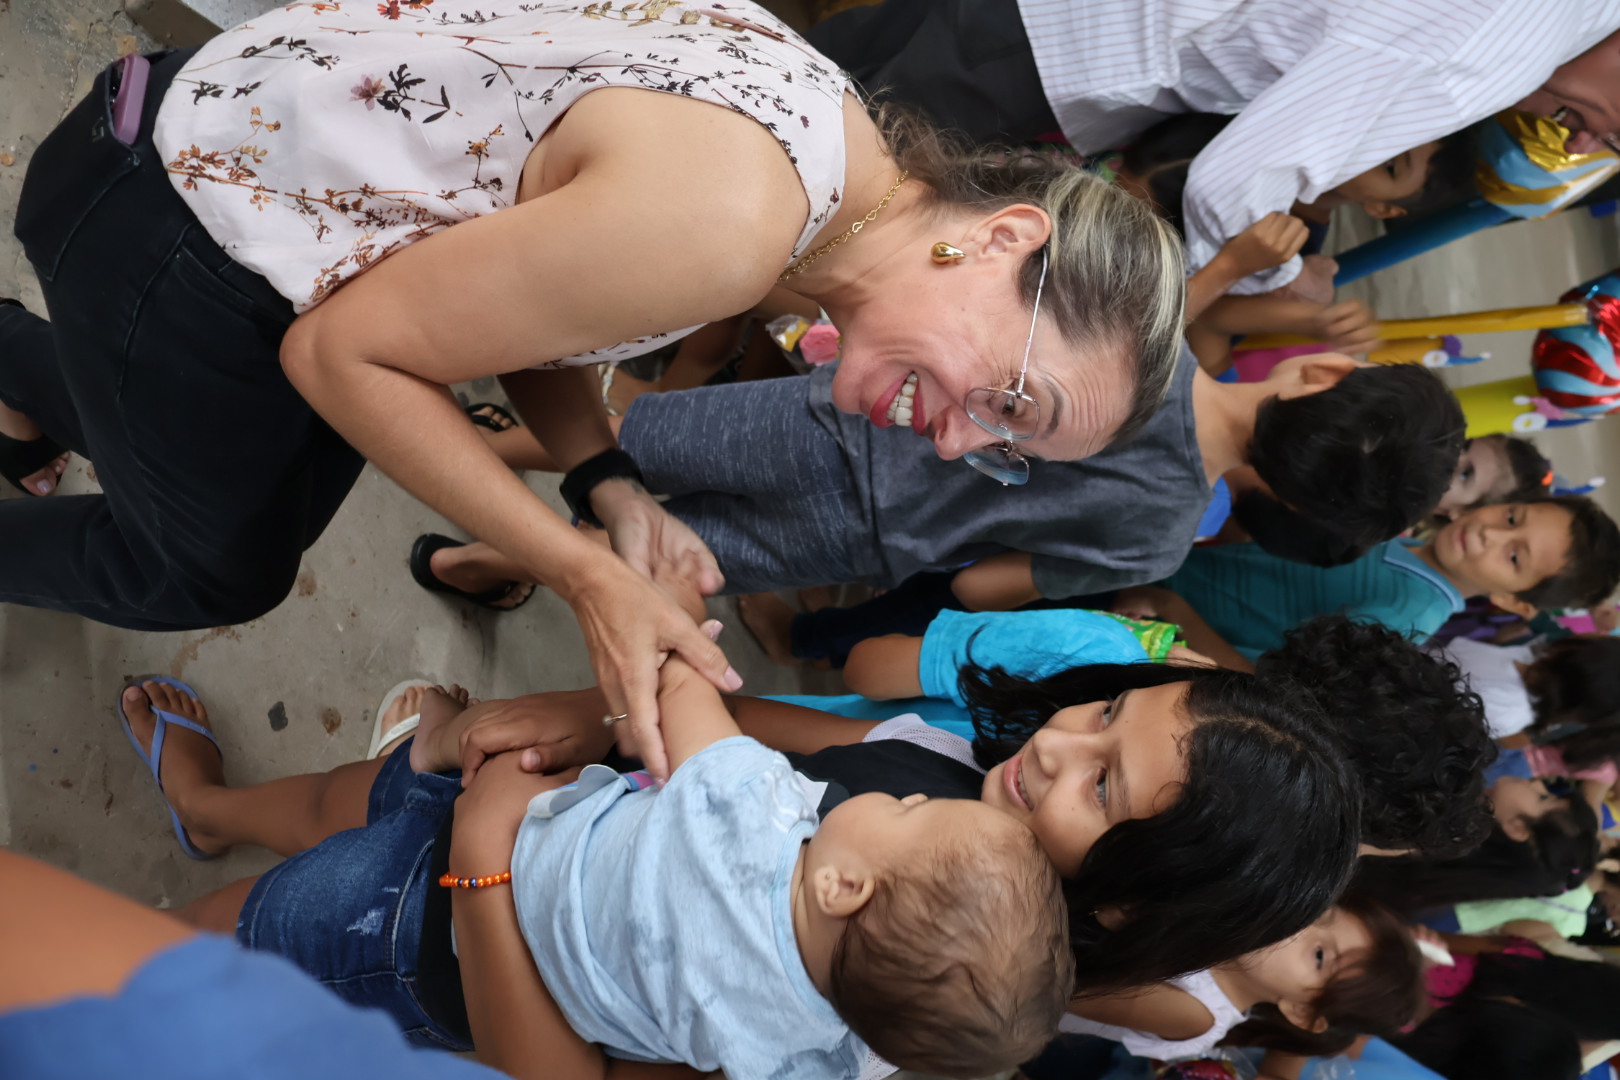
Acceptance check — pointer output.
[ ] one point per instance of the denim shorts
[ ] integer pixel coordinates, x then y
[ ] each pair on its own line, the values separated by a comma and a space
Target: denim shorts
349, 910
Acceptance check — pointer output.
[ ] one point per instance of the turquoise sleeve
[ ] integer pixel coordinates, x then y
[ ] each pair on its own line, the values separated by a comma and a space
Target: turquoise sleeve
1029, 643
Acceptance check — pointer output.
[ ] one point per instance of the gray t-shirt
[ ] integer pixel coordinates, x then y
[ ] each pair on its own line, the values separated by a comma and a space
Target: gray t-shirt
1124, 517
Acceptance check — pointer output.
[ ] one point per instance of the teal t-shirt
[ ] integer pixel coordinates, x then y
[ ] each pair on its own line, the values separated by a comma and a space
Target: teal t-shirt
1029, 643
1251, 598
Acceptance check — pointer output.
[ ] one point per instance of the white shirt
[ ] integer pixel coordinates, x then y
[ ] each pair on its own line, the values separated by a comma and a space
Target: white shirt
1325, 89
1492, 672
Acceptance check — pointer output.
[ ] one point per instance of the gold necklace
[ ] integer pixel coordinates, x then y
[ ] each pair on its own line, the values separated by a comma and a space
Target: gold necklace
799, 266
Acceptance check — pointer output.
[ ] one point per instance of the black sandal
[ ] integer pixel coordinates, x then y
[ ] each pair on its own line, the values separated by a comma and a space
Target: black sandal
498, 418
422, 571
22, 457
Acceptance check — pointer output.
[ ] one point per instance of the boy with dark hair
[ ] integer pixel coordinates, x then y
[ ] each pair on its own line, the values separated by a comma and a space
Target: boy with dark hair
1234, 602
1414, 732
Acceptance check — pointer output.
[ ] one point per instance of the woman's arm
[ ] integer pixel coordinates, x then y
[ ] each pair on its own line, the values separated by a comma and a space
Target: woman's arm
998, 583
591, 262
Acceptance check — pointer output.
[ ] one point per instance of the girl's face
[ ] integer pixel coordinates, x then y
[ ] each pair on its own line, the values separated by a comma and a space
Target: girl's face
1094, 766
1293, 973
1483, 475
1518, 803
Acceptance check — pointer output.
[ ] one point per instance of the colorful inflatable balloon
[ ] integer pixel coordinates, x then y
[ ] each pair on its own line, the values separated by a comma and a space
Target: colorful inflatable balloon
1576, 369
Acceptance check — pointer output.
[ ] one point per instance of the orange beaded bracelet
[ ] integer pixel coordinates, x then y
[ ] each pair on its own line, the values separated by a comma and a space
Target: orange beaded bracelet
450, 881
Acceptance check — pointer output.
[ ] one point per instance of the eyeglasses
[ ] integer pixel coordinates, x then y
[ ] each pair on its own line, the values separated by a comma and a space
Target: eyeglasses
1610, 140
1008, 413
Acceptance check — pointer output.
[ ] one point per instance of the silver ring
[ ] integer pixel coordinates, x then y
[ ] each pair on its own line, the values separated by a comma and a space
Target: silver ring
609, 721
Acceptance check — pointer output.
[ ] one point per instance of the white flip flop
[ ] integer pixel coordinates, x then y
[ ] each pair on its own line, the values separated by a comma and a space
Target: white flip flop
381, 738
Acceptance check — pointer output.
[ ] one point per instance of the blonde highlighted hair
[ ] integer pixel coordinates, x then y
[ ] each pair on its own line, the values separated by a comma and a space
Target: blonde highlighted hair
1117, 276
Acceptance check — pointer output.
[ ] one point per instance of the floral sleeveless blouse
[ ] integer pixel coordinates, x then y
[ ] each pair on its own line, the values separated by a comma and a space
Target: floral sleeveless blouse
323, 136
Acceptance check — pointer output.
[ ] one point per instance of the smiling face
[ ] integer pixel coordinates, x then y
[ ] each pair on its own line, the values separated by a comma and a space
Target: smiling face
925, 346
1587, 90
1500, 551
1483, 473
1294, 972
1093, 766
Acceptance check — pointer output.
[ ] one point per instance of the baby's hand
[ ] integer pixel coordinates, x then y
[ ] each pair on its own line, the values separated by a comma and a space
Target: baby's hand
1350, 327
1271, 241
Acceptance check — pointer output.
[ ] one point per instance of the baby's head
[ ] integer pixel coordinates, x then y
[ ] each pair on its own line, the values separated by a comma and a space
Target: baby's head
950, 951
1355, 971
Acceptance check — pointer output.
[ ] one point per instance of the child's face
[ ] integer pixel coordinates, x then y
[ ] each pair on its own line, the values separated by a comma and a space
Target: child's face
1093, 766
1483, 474
880, 830
1502, 550
1380, 190
1518, 802
1293, 973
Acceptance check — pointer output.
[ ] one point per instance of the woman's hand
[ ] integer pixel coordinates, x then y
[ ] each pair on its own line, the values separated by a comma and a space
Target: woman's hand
545, 732
654, 541
630, 626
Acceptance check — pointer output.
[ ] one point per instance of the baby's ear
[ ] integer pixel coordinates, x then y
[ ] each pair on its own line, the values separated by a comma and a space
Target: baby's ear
1302, 1016
841, 893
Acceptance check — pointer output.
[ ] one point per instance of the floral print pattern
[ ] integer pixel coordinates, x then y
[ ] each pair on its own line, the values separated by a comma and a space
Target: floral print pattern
324, 136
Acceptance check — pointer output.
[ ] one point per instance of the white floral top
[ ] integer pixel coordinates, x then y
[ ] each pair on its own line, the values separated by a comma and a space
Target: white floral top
323, 136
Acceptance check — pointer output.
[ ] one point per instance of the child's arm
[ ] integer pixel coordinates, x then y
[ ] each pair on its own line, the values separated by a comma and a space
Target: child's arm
885, 668
998, 583
1163, 1010
1271, 241
514, 1020
692, 714
1152, 602
1349, 327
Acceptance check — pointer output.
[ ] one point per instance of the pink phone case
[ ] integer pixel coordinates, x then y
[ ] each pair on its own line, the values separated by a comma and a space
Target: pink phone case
126, 108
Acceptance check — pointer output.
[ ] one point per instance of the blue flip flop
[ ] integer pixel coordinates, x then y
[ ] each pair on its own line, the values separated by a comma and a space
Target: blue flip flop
164, 719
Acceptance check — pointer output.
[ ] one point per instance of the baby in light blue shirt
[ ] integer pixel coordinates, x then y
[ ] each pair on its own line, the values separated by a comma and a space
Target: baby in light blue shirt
714, 922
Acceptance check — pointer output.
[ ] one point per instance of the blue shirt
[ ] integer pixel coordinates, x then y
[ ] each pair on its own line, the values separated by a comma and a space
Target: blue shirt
661, 919
1033, 644
1251, 598
205, 1009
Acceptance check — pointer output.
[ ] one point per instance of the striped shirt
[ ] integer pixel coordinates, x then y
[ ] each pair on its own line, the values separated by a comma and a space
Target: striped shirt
1327, 89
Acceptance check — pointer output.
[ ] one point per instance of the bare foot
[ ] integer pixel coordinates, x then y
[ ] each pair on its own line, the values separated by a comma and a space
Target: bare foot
816, 597
400, 709
439, 708
18, 426
190, 763
478, 568
770, 620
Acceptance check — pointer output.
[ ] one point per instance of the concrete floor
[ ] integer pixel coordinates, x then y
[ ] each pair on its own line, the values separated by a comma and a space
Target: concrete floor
294, 691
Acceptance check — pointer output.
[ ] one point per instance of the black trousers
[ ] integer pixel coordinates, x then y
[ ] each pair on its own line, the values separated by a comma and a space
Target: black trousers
160, 363
965, 64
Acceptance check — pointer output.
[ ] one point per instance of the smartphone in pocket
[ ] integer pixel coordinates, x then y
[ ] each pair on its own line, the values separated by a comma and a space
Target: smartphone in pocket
129, 95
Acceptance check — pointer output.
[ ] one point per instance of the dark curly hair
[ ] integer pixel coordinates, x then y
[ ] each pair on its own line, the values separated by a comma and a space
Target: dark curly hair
1353, 465
1411, 729
1261, 839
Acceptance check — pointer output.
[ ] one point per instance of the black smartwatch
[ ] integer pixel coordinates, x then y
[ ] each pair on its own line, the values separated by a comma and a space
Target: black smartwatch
582, 479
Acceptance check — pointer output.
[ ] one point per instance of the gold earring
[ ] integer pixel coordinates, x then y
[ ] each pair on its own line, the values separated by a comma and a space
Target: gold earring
943, 253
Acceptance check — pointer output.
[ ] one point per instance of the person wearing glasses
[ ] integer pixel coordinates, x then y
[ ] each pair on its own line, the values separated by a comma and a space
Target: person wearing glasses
290, 242
1321, 89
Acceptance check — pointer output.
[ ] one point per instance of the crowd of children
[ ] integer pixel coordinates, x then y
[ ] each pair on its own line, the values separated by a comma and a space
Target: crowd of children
1165, 754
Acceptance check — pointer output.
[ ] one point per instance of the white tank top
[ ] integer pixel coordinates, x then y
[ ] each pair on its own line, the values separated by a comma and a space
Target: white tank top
323, 136
1201, 985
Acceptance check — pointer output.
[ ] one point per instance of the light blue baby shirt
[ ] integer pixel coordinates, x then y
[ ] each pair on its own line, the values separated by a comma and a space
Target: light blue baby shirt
661, 919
